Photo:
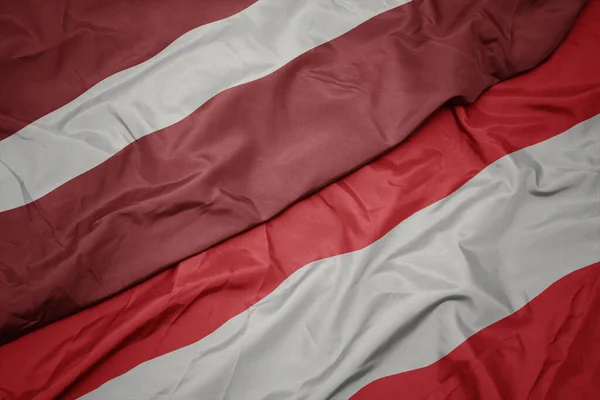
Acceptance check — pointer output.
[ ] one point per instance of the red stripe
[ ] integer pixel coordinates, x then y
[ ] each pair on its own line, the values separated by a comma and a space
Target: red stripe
53, 51
549, 349
255, 149
184, 304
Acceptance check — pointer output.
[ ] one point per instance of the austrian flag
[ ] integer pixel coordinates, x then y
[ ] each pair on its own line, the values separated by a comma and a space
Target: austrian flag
300, 199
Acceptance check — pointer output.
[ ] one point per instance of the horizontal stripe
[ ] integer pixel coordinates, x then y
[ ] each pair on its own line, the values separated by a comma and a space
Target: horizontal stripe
235, 162
184, 304
401, 303
167, 88
546, 350
52, 52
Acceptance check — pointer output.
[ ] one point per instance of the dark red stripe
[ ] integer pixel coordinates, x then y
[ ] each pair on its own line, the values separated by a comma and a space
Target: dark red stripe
255, 149
184, 304
53, 51
549, 349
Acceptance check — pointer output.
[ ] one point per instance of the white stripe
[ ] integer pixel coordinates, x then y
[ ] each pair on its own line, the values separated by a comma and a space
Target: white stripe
408, 299
167, 88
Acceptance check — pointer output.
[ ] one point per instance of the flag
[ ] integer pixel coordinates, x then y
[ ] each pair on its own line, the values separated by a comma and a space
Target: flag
462, 263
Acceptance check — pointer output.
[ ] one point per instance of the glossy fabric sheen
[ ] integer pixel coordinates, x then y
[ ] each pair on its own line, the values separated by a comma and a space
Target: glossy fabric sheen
167, 88
53, 51
243, 156
184, 304
547, 350
408, 299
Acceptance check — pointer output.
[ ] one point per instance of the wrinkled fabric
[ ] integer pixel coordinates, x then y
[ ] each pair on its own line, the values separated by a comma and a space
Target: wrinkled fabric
408, 299
53, 51
167, 88
255, 149
182, 305
546, 350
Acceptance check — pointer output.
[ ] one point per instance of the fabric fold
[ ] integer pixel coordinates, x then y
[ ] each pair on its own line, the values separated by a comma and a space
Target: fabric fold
252, 150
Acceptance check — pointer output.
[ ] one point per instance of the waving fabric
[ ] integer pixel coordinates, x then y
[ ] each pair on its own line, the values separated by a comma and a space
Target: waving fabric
228, 125
300, 200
